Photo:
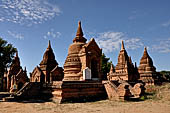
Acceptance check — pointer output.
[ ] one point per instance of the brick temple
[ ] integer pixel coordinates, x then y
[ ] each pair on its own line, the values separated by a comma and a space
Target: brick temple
127, 71
15, 77
48, 69
124, 69
81, 78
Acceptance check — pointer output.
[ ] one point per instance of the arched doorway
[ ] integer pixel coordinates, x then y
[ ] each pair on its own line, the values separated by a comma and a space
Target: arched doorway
94, 68
20, 85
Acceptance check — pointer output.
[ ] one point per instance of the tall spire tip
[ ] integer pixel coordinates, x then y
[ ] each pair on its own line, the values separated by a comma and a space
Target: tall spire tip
79, 30
145, 48
79, 23
49, 44
122, 47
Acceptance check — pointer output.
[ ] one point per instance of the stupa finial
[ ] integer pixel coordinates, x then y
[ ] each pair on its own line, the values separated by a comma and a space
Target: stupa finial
49, 44
79, 30
122, 47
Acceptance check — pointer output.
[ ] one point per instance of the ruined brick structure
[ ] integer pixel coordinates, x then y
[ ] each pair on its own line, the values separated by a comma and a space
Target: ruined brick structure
48, 70
126, 80
15, 77
124, 70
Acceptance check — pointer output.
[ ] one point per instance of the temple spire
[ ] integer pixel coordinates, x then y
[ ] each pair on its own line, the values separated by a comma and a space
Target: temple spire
79, 35
145, 49
130, 60
16, 61
122, 47
25, 69
145, 53
49, 45
79, 30
135, 65
48, 57
146, 59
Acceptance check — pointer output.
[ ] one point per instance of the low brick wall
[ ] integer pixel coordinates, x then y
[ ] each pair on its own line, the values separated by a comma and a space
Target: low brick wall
78, 91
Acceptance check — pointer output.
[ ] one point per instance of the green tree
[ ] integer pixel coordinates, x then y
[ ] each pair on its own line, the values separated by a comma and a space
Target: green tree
106, 64
166, 75
7, 52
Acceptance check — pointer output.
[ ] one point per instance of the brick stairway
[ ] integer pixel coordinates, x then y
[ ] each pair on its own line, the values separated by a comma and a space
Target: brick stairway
28, 91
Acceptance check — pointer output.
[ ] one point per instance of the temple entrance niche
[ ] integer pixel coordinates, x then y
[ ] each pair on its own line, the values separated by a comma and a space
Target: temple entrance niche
20, 85
94, 69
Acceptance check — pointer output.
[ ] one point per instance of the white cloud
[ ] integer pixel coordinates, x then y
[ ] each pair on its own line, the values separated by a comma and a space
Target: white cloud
136, 14
133, 43
1, 19
110, 41
27, 12
16, 35
133, 15
162, 47
166, 24
52, 34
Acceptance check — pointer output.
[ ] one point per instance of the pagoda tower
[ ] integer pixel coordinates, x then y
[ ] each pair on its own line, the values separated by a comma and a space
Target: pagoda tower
146, 68
48, 63
48, 71
80, 56
124, 70
15, 75
14, 70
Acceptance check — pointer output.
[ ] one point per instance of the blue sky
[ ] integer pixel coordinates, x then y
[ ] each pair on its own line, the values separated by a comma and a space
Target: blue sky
29, 24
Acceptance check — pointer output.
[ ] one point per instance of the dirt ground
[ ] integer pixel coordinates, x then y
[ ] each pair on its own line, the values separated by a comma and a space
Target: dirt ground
158, 103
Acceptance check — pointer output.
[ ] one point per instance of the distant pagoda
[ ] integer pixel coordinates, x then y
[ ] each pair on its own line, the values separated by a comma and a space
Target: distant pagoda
146, 69
124, 70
